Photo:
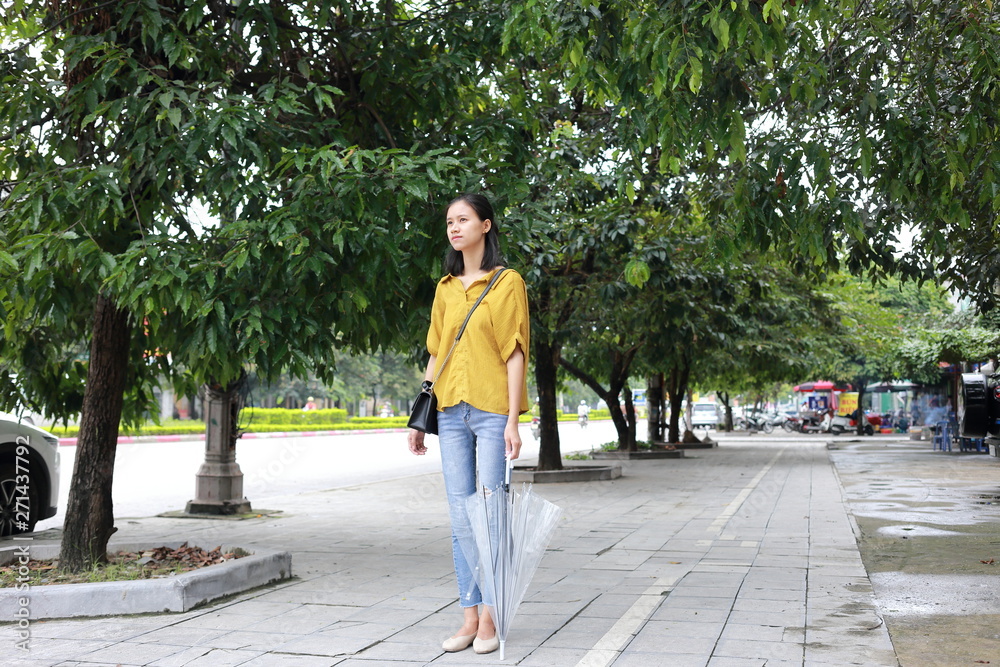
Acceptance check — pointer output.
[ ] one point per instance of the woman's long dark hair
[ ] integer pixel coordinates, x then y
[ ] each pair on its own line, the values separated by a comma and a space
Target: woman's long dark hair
454, 263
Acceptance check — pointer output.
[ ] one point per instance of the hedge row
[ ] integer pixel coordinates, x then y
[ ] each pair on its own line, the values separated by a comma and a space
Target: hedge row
284, 416
256, 425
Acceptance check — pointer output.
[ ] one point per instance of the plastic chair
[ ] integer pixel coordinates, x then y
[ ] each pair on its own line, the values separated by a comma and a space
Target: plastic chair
942, 436
970, 444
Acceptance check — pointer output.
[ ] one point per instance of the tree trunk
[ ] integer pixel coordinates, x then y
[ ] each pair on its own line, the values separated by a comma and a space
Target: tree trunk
676, 389
89, 517
618, 419
546, 367
723, 397
690, 407
654, 405
629, 417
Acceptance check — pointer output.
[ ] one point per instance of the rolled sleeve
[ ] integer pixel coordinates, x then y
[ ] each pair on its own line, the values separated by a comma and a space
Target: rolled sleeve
511, 324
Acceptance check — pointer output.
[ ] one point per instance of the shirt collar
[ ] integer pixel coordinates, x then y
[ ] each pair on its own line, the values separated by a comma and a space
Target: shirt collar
485, 278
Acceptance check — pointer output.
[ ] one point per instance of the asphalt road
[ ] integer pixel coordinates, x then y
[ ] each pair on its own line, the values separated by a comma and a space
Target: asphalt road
156, 477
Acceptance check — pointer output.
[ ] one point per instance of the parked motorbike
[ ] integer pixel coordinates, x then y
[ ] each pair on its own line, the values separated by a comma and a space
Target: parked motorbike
849, 423
755, 422
817, 423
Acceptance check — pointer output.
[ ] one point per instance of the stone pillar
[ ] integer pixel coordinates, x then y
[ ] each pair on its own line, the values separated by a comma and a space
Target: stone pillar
219, 482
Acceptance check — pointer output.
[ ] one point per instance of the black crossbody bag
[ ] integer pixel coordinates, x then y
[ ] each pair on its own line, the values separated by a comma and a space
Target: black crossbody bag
423, 414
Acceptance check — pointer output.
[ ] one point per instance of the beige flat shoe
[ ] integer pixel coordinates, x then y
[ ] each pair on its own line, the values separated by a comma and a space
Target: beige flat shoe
459, 643
486, 645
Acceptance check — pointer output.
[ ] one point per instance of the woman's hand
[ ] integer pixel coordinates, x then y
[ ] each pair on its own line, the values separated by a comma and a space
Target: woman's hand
415, 440
512, 437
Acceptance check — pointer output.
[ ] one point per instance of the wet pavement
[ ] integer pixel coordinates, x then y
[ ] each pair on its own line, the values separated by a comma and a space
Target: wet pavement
929, 526
769, 550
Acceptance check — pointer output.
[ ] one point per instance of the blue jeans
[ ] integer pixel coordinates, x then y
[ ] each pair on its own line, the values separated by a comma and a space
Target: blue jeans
464, 432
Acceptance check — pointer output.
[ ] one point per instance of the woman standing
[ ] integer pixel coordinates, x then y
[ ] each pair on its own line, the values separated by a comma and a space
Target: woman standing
481, 390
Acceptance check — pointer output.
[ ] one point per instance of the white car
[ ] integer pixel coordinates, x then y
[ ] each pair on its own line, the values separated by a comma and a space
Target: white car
704, 415
29, 476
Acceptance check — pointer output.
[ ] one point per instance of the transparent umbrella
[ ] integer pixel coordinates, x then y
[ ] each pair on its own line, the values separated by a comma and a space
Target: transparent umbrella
511, 528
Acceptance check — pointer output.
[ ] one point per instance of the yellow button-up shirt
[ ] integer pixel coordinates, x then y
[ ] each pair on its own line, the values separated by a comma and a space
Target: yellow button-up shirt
477, 370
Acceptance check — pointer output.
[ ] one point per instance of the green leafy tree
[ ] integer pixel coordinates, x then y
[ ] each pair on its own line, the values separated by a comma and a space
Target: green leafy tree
320, 137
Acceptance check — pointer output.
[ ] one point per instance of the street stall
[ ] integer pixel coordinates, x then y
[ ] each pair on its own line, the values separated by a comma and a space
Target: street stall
817, 405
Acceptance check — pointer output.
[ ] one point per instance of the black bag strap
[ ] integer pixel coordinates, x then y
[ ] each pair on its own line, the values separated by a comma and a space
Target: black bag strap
461, 331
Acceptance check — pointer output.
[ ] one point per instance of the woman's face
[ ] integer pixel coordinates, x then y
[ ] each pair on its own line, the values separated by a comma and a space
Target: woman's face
465, 229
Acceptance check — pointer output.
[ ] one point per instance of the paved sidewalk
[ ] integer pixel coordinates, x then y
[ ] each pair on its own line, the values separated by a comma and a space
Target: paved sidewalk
743, 555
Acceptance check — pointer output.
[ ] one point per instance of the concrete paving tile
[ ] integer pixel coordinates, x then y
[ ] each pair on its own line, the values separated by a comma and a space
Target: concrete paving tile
392, 651
692, 602
128, 653
249, 641
745, 631
20, 661
302, 620
753, 662
116, 629
637, 659
182, 657
282, 660
850, 655
684, 590
382, 614
710, 567
792, 618
759, 605
325, 645
360, 662
442, 619
671, 643
258, 607
664, 613
179, 636
62, 649
738, 662
547, 657
785, 594
668, 629
609, 603
217, 621
220, 657
55, 628
745, 648
713, 579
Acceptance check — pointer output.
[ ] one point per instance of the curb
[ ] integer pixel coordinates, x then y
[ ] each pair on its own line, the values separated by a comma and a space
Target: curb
114, 598
641, 455
574, 473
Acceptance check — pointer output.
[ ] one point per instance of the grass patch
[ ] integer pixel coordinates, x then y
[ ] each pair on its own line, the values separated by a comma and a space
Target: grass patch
613, 445
577, 456
121, 566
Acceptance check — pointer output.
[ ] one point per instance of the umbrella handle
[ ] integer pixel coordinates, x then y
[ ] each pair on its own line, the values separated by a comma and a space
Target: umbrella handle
506, 475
